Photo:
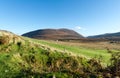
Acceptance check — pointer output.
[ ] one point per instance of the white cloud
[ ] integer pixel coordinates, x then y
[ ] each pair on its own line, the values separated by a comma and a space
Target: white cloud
78, 27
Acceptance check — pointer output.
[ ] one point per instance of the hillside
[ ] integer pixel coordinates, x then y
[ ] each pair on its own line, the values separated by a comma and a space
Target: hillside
22, 57
108, 36
53, 34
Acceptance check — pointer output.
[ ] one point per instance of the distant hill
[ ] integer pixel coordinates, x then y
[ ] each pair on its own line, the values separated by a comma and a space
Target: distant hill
53, 34
108, 35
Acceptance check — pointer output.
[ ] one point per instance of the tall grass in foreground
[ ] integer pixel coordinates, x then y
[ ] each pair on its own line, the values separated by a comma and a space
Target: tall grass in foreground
31, 60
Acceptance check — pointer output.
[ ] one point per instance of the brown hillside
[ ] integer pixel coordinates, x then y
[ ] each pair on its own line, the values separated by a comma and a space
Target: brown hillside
53, 34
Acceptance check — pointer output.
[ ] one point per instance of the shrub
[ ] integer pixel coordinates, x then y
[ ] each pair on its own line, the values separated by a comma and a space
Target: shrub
115, 64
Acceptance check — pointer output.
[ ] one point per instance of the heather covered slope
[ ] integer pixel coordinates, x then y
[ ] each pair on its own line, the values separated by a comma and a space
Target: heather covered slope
53, 34
22, 57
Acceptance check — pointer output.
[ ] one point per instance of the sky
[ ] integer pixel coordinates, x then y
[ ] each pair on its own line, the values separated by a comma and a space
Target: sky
87, 17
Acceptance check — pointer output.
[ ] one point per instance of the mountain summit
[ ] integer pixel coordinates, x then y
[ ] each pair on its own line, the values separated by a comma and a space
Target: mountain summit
53, 34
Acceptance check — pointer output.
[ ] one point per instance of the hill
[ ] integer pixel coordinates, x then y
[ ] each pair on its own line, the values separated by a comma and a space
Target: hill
53, 34
108, 36
22, 57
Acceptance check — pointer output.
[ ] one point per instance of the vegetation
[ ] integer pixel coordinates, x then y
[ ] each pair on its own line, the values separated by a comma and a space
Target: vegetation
78, 50
33, 60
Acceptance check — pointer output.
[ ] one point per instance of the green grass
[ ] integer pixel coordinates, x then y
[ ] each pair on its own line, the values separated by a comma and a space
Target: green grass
82, 51
43, 59
30, 61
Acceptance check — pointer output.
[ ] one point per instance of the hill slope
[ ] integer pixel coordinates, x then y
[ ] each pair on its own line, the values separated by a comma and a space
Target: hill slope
109, 35
29, 59
22, 57
7, 37
53, 34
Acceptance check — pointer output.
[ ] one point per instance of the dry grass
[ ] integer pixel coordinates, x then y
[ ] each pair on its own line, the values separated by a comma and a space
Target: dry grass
93, 45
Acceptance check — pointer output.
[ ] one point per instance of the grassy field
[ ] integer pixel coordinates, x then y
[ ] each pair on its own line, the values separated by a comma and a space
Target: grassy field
78, 49
33, 58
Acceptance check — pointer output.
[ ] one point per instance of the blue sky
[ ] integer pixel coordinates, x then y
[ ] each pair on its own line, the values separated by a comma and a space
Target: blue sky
88, 17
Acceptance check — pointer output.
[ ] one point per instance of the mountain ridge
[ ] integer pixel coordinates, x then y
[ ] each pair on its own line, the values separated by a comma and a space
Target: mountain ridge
53, 34
107, 35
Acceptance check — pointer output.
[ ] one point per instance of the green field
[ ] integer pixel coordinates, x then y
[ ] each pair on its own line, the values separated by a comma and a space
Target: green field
79, 51
33, 58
